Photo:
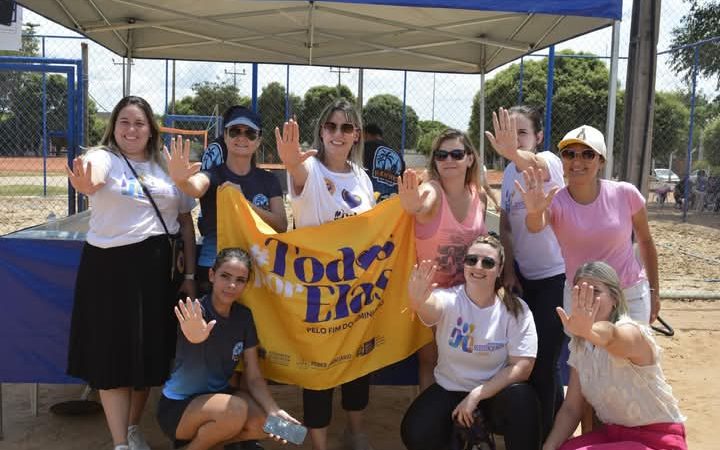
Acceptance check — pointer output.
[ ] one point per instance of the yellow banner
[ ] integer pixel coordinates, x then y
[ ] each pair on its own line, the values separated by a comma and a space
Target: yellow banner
329, 302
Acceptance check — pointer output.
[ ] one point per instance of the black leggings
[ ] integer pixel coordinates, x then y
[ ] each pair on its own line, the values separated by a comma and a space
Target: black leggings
512, 412
317, 405
543, 296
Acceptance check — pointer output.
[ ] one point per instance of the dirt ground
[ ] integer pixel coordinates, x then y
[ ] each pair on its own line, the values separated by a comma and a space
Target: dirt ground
689, 259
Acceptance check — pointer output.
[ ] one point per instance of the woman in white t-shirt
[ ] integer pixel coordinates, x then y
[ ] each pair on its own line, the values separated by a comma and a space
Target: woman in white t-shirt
486, 350
534, 266
326, 184
123, 330
615, 368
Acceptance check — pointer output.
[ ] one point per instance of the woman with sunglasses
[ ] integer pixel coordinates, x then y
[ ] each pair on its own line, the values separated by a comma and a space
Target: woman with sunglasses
260, 187
328, 183
616, 369
487, 343
595, 220
449, 212
534, 266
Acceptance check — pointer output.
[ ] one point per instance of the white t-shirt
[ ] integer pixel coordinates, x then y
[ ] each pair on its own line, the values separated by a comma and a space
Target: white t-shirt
537, 254
474, 343
329, 196
121, 214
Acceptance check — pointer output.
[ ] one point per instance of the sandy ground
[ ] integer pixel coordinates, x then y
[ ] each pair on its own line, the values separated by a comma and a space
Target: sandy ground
689, 259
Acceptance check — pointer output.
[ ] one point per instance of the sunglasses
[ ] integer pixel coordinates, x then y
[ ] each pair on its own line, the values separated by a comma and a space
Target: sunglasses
587, 155
486, 262
249, 133
457, 154
331, 127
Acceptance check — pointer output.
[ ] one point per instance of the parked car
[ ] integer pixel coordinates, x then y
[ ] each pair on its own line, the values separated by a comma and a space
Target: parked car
664, 175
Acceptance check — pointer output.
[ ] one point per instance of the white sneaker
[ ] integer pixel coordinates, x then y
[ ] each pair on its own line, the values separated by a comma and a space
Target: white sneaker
136, 440
121, 447
356, 441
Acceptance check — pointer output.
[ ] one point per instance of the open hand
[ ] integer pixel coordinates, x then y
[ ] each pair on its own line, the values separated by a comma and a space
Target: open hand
80, 177
288, 145
505, 139
584, 309
178, 160
535, 198
192, 322
421, 285
409, 192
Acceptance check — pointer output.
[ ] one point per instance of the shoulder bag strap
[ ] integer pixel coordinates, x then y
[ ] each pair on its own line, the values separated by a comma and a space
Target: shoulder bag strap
147, 194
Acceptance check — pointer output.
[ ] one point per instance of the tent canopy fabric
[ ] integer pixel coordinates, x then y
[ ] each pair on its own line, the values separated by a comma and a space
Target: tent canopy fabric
463, 36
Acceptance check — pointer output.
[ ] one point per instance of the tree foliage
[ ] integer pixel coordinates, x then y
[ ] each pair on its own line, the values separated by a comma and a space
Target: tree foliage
670, 126
702, 22
711, 142
386, 110
580, 95
271, 106
429, 130
210, 98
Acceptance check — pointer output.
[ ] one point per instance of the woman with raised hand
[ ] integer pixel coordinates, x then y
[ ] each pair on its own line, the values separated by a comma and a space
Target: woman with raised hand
615, 368
122, 330
328, 183
199, 407
534, 268
595, 220
242, 135
449, 211
486, 343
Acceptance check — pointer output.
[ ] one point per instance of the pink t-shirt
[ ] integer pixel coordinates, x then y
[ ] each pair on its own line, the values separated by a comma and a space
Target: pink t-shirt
445, 240
599, 231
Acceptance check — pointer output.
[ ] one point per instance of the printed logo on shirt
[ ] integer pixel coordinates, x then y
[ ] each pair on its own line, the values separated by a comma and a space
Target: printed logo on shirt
461, 336
330, 186
352, 200
386, 166
237, 350
261, 201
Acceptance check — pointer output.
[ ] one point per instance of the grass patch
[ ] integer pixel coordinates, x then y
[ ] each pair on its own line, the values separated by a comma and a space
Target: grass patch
30, 189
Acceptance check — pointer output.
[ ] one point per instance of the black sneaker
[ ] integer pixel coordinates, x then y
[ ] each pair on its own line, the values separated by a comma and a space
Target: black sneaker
244, 445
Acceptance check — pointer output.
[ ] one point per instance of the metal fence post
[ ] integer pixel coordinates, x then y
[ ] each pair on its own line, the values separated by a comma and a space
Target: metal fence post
688, 167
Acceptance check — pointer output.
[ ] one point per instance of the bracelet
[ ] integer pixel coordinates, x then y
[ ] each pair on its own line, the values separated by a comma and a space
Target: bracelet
189, 276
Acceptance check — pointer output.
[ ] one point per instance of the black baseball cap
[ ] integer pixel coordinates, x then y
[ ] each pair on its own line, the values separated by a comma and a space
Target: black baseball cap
240, 115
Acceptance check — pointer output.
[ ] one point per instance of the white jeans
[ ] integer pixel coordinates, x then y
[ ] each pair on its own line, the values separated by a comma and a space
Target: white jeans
636, 296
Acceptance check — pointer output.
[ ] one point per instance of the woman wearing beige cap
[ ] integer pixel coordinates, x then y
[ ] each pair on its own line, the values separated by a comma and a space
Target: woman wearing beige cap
595, 220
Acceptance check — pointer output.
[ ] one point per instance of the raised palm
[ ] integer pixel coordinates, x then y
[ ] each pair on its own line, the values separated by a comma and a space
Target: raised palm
534, 196
411, 198
80, 177
288, 145
504, 141
192, 322
178, 159
420, 284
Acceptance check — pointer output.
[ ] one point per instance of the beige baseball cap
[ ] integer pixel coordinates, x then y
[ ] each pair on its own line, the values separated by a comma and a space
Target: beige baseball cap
586, 135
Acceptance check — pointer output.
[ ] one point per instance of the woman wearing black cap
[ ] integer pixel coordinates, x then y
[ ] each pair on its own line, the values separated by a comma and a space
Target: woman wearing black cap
242, 136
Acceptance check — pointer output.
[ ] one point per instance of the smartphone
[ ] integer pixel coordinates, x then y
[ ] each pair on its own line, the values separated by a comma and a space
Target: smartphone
283, 429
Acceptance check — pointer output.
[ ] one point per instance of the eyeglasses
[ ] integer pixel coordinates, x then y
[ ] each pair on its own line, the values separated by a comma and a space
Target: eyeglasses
331, 127
249, 133
486, 262
587, 155
456, 154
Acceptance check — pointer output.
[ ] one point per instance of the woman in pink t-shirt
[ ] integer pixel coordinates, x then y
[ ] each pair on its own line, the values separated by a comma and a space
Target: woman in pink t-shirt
449, 212
595, 220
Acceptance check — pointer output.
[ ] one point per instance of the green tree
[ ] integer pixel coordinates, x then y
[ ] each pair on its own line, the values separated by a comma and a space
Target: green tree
386, 110
580, 95
271, 106
429, 130
210, 98
711, 142
315, 100
702, 22
670, 126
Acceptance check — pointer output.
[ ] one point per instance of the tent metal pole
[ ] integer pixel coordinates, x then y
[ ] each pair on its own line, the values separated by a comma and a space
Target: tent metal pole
548, 98
612, 99
481, 118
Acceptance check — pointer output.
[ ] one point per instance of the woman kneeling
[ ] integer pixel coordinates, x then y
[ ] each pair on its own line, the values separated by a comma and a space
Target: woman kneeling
198, 406
486, 350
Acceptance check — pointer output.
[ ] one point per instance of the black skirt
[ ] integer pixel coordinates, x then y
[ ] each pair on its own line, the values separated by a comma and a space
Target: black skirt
123, 328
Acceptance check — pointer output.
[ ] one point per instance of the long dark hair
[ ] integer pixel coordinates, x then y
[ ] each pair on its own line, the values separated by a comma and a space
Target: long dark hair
230, 253
153, 149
